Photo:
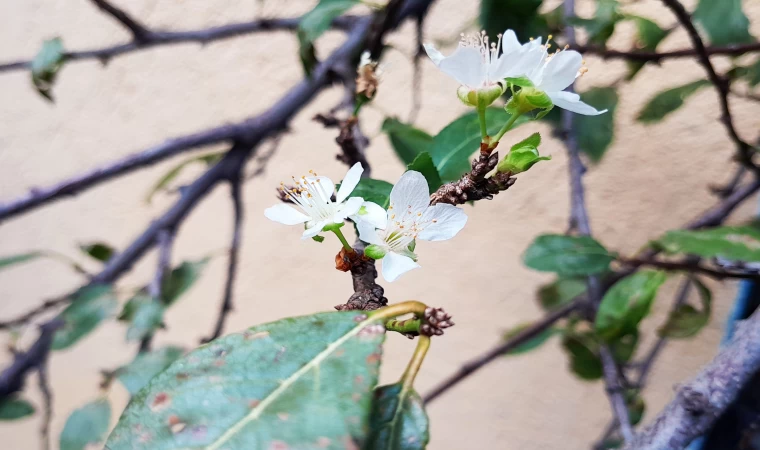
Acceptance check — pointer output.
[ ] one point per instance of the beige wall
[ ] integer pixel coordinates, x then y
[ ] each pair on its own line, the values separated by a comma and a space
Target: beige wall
654, 178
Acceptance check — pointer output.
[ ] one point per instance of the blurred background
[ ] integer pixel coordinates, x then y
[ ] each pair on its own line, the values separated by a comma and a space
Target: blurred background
652, 179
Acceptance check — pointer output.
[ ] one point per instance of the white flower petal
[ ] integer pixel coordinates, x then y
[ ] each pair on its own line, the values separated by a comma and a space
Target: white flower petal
560, 71
509, 42
572, 102
373, 214
448, 221
349, 182
433, 53
313, 230
349, 208
368, 234
285, 214
394, 265
324, 186
409, 194
466, 66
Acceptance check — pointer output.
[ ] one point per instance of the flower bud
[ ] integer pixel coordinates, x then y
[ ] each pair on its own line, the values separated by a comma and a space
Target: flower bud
527, 99
522, 156
374, 251
480, 97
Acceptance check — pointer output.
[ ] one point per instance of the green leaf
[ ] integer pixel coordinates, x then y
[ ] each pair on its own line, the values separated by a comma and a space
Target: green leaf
753, 74
626, 303
407, 141
560, 292
596, 133
519, 15
530, 344
14, 408
601, 27
371, 190
534, 140
724, 21
89, 306
567, 255
145, 366
398, 420
648, 37
686, 321
733, 243
295, 383
146, 316
315, 23
583, 351
456, 143
636, 406
181, 279
45, 66
86, 426
668, 101
423, 163
18, 259
98, 250
163, 183
624, 347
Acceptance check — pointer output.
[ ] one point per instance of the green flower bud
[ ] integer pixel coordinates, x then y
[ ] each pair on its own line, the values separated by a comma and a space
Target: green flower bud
522, 156
374, 251
480, 97
527, 99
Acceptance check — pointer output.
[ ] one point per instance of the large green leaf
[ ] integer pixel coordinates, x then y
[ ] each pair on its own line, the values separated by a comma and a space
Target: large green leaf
648, 37
668, 101
423, 163
296, 383
145, 366
724, 21
86, 426
583, 351
181, 279
315, 23
686, 321
89, 306
408, 141
530, 344
45, 66
567, 255
733, 243
15, 408
163, 183
626, 303
97, 250
456, 143
371, 190
596, 133
398, 420
9, 261
519, 15
560, 292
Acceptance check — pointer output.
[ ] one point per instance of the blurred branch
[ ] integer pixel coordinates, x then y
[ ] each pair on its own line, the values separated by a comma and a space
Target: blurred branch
164, 242
636, 55
140, 33
689, 265
700, 402
47, 397
226, 308
722, 85
31, 314
12, 378
518, 339
202, 36
419, 52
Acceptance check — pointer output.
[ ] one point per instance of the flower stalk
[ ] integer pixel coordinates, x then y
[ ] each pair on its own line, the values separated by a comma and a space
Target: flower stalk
413, 368
507, 126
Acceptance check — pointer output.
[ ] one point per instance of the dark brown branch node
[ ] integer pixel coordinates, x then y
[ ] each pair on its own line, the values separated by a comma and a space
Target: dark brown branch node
474, 185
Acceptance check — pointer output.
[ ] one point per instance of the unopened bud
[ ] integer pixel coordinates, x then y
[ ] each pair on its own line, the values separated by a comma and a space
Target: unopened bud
480, 97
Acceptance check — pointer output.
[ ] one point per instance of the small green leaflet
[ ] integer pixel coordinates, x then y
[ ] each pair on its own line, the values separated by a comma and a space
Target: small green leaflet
163, 183
583, 351
668, 101
648, 37
8, 261
560, 292
459, 140
181, 279
314, 23
46, 65
295, 383
86, 426
596, 133
423, 163
686, 321
398, 420
636, 406
530, 344
14, 408
375, 191
724, 21
145, 366
733, 243
89, 306
147, 316
601, 27
567, 255
522, 16
624, 347
626, 303
98, 250
407, 141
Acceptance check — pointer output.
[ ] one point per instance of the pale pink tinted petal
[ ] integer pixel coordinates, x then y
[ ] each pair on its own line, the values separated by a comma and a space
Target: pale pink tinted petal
285, 214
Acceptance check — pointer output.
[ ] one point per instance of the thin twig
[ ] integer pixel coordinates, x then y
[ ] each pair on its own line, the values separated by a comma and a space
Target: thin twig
722, 85
47, 397
139, 32
689, 266
31, 314
226, 308
730, 187
518, 339
642, 56
164, 244
417, 70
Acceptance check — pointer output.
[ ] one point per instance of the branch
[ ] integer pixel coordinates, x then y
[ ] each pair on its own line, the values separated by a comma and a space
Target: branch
29, 315
12, 379
140, 33
700, 402
237, 202
635, 55
518, 339
689, 265
164, 242
721, 84
47, 396
201, 36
